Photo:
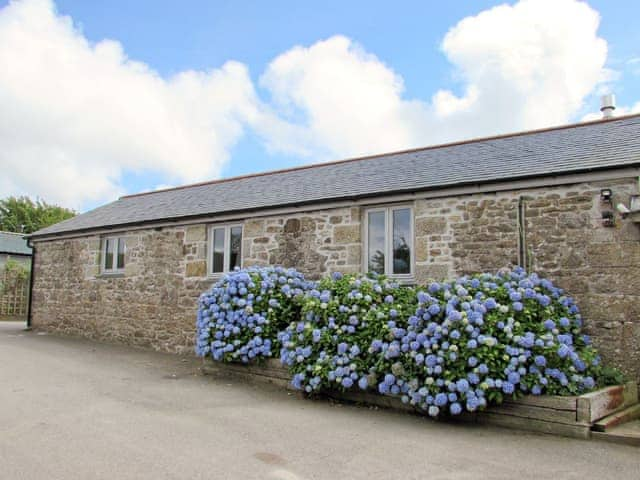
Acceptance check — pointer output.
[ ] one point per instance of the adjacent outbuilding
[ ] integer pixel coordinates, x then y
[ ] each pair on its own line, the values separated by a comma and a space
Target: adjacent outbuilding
15, 264
13, 246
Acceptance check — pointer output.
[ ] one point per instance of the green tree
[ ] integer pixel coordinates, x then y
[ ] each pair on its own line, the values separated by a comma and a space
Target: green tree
23, 215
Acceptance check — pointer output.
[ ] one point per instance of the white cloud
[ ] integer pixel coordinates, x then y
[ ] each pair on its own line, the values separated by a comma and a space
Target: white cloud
76, 115
533, 63
523, 66
348, 100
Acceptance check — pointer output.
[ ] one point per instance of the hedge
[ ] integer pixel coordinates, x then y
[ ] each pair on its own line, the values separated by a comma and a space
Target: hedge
443, 347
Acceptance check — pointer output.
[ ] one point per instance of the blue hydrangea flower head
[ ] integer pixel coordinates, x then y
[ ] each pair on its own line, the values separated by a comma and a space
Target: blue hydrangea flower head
508, 388
347, 382
389, 379
462, 385
540, 360
441, 399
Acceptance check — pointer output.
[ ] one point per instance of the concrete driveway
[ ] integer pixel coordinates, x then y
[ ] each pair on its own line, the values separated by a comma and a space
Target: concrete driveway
74, 409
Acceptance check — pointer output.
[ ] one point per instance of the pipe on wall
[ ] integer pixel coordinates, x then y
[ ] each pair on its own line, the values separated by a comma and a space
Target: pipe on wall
31, 276
522, 237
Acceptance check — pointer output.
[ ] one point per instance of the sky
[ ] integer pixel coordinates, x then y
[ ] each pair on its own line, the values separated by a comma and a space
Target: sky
101, 99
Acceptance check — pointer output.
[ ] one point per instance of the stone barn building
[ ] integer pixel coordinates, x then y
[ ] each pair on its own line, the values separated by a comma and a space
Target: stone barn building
131, 271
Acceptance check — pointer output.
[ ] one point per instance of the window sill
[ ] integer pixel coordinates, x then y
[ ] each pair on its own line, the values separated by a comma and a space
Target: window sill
404, 280
216, 276
401, 279
111, 275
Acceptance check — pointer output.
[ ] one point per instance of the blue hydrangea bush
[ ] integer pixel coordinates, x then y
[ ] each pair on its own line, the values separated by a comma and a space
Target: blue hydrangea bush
331, 344
450, 347
444, 348
240, 317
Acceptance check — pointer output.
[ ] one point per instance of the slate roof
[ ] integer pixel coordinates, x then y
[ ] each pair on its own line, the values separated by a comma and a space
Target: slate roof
602, 144
14, 244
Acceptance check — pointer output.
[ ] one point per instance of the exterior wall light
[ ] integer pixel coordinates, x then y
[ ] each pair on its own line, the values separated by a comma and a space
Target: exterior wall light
606, 195
608, 219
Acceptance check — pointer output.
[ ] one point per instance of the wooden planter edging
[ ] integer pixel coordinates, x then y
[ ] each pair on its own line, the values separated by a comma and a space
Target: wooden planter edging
269, 371
566, 416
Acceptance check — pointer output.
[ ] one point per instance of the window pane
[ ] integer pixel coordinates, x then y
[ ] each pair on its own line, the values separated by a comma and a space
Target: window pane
235, 248
121, 251
376, 234
218, 250
402, 240
108, 253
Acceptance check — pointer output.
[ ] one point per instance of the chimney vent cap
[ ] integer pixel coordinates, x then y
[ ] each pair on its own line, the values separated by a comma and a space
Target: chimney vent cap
607, 105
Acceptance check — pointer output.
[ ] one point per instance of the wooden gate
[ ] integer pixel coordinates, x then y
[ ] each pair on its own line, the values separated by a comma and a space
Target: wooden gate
14, 296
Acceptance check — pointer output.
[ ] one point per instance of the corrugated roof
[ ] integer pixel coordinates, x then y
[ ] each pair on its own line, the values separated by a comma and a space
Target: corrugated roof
13, 243
568, 149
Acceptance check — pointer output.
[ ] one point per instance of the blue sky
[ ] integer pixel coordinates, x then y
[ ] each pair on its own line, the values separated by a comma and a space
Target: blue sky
281, 122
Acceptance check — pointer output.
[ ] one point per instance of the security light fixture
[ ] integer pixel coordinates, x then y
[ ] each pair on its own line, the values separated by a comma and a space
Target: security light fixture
608, 219
606, 195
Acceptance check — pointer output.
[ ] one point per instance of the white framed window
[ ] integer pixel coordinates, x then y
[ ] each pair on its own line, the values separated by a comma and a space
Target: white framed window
114, 250
388, 241
225, 248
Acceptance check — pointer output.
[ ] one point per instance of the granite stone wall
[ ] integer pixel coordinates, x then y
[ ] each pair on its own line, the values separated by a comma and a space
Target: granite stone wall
316, 244
565, 240
153, 303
